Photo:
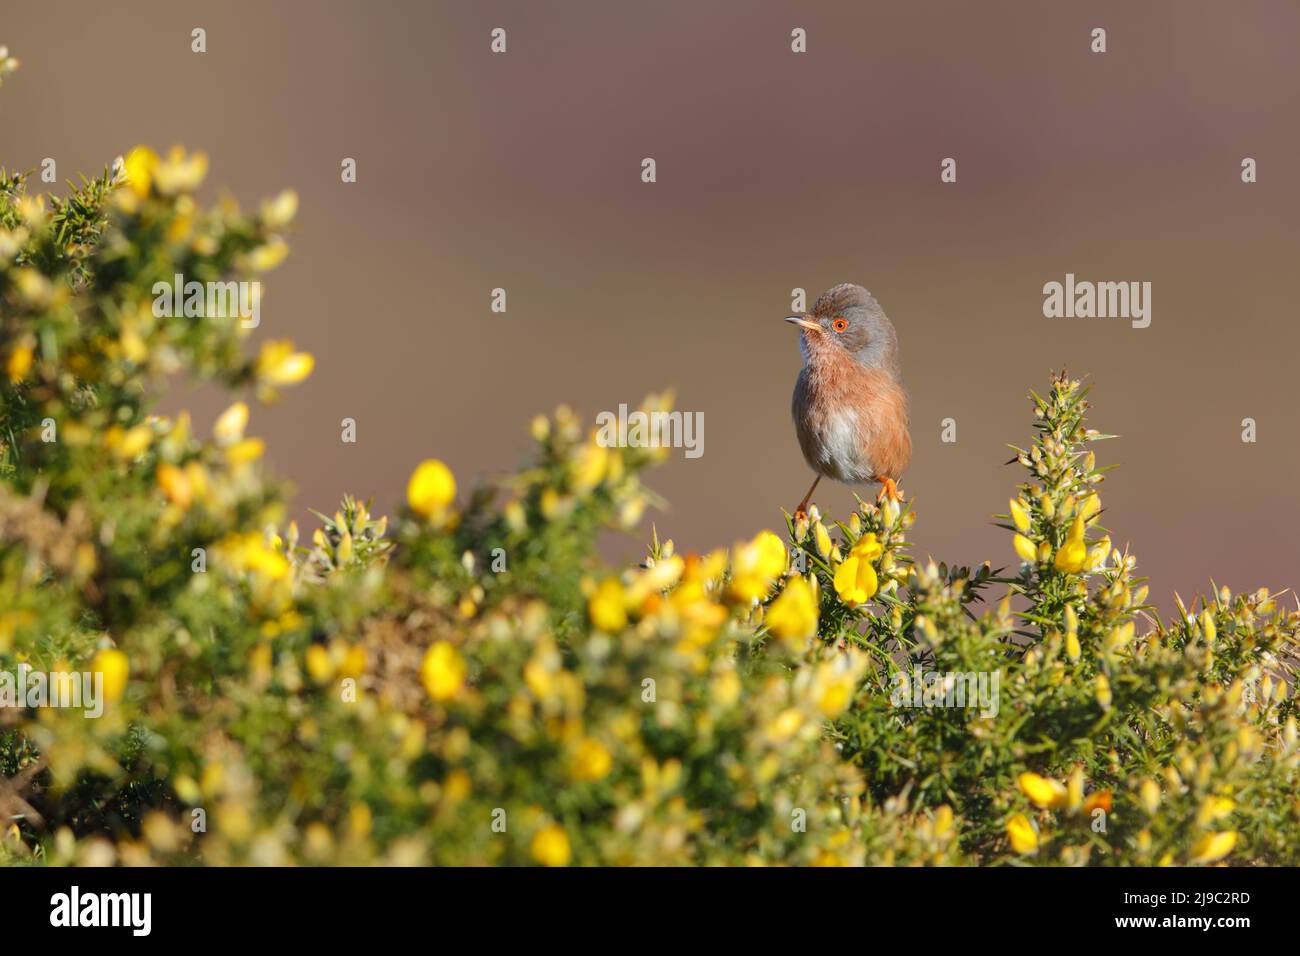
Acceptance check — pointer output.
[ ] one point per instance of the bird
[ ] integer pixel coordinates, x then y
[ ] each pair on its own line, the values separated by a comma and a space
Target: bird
849, 406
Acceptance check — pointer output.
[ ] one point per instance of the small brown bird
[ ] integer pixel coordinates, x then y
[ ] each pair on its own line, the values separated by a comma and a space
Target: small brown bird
849, 407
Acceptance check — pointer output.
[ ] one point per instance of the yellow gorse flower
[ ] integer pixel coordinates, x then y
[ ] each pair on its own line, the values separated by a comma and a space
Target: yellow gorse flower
823, 539
20, 363
175, 485
442, 671
1101, 688
1073, 555
834, 682
128, 443
1043, 792
278, 364
319, 666
179, 172
1213, 847
550, 846
793, 616
1021, 833
230, 425
1024, 548
942, 820
1019, 515
431, 490
245, 450
756, 565
591, 761
139, 167
266, 257
855, 578
1149, 796
114, 669
607, 606
279, 212
250, 553
588, 467
1214, 809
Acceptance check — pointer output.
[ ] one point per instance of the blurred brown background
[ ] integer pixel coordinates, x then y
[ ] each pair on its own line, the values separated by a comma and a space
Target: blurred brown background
775, 170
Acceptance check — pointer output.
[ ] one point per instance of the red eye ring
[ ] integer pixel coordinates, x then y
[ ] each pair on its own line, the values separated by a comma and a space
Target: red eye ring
839, 325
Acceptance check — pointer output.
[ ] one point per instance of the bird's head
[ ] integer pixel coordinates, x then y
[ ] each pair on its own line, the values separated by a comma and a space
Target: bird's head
847, 320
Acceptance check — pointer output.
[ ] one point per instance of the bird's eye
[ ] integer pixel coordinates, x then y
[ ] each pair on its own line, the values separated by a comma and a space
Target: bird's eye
839, 325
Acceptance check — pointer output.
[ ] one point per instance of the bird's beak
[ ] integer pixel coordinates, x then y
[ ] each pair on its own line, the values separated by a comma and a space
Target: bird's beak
805, 322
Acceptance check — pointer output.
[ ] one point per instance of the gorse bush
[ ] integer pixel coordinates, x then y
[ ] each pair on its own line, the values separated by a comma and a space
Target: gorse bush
467, 684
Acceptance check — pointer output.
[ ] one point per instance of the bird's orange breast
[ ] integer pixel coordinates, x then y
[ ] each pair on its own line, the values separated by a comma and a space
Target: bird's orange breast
852, 422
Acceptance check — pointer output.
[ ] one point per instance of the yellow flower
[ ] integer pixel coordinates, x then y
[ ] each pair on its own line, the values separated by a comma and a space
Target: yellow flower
1074, 789
1102, 689
855, 578
551, 846
319, 665
1119, 636
1043, 792
175, 485
755, 565
607, 606
786, 724
20, 363
588, 467
230, 425
431, 490
354, 662
443, 671
278, 364
793, 616
279, 212
1214, 809
942, 820
1207, 626
1023, 836
591, 761
836, 693
1024, 548
1149, 796
823, 539
114, 668
1020, 516
266, 257
653, 581
178, 172
1213, 847
1073, 555
726, 688
129, 443
250, 552
245, 450
458, 786
139, 167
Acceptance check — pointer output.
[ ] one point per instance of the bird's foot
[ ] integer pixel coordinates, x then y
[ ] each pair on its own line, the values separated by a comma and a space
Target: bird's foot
888, 489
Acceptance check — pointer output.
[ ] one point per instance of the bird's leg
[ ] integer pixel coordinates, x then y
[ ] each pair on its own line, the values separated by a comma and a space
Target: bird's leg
806, 498
888, 489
